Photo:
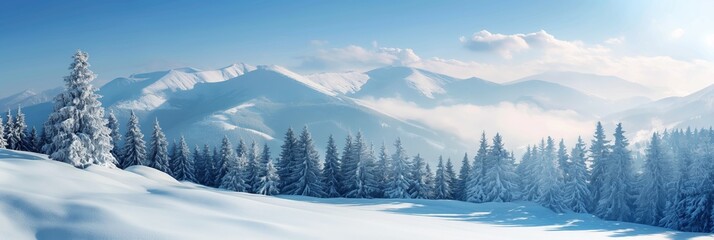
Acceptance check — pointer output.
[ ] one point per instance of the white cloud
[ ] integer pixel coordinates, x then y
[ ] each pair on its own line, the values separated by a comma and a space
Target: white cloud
468, 121
507, 45
677, 33
615, 40
358, 58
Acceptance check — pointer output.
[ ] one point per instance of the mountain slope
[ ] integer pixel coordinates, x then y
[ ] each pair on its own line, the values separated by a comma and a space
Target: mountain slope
44, 199
607, 87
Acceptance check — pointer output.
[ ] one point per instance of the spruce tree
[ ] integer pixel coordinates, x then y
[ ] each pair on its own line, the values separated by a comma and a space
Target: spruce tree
134, 152
500, 180
527, 171
114, 135
578, 195
442, 189
701, 199
305, 178
230, 173
31, 140
263, 173
550, 180
269, 183
3, 141
209, 174
399, 177
361, 180
381, 170
348, 166
599, 153
76, 128
617, 191
10, 134
464, 176
676, 211
199, 165
652, 200
252, 167
451, 177
563, 160
159, 156
420, 186
20, 132
476, 186
183, 168
331, 172
287, 159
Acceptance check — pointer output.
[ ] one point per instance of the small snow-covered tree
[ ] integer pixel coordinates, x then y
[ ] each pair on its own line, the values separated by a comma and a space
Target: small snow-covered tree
599, 153
134, 152
476, 186
399, 178
183, 168
617, 190
252, 166
114, 135
500, 180
287, 161
550, 180
159, 155
269, 183
652, 200
232, 178
451, 177
305, 178
420, 187
563, 160
79, 116
331, 170
361, 181
3, 141
442, 189
31, 140
578, 195
10, 137
461, 185
20, 132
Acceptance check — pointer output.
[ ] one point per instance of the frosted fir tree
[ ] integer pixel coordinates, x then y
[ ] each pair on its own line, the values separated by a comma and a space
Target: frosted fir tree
287, 161
578, 195
381, 170
420, 188
442, 189
183, 168
652, 200
563, 160
10, 137
526, 170
78, 116
268, 184
233, 180
331, 172
41, 140
3, 141
262, 173
429, 179
199, 165
226, 159
348, 165
701, 200
305, 179
617, 190
599, 153
31, 140
20, 132
476, 186
550, 180
242, 149
461, 185
399, 177
451, 177
361, 182
252, 166
159, 155
210, 171
500, 180
134, 152
676, 215
114, 134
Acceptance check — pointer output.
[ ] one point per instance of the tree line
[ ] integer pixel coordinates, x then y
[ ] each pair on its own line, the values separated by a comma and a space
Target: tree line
674, 188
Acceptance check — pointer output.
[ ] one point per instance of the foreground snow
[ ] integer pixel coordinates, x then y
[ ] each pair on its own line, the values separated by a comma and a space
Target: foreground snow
43, 199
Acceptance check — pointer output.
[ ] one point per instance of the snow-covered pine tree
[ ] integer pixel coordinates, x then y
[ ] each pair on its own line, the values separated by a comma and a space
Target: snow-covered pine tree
252, 167
381, 170
461, 185
500, 180
183, 168
550, 180
361, 181
3, 141
31, 140
429, 180
305, 178
264, 181
599, 153
527, 171
242, 149
578, 195
232, 175
134, 152
159, 155
476, 186
420, 188
331, 171
676, 214
20, 132
701, 200
399, 177
114, 135
617, 191
199, 165
10, 137
348, 166
651, 203
211, 169
41, 140
451, 177
563, 160
269, 183
286, 162
77, 122
442, 189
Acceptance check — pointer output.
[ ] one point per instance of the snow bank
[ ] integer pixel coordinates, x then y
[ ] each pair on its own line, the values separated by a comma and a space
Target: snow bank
43, 199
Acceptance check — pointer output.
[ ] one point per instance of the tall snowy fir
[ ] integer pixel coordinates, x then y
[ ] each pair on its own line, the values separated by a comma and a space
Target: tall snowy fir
199, 165
305, 178
700, 200
617, 190
399, 177
134, 152
115, 135
461, 185
550, 179
420, 188
348, 165
10, 134
76, 129
527, 171
360, 181
3, 142
676, 214
182, 166
381, 170
267, 179
577, 193
159, 155
252, 166
500, 180
563, 160
230, 173
210, 170
442, 189
451, 177
20, 132
331, 172
32, 140
286, 161
653, 190
599, 153
476, 186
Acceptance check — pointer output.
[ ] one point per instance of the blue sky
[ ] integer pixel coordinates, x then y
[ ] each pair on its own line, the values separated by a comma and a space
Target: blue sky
124, 37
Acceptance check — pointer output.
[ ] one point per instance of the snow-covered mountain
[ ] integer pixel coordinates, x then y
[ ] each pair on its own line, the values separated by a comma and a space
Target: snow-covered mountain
607, 87
45, 199
29, 98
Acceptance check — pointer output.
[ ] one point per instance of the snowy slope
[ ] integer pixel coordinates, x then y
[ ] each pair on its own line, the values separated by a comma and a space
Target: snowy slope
43, 199
607, 87
29, 98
